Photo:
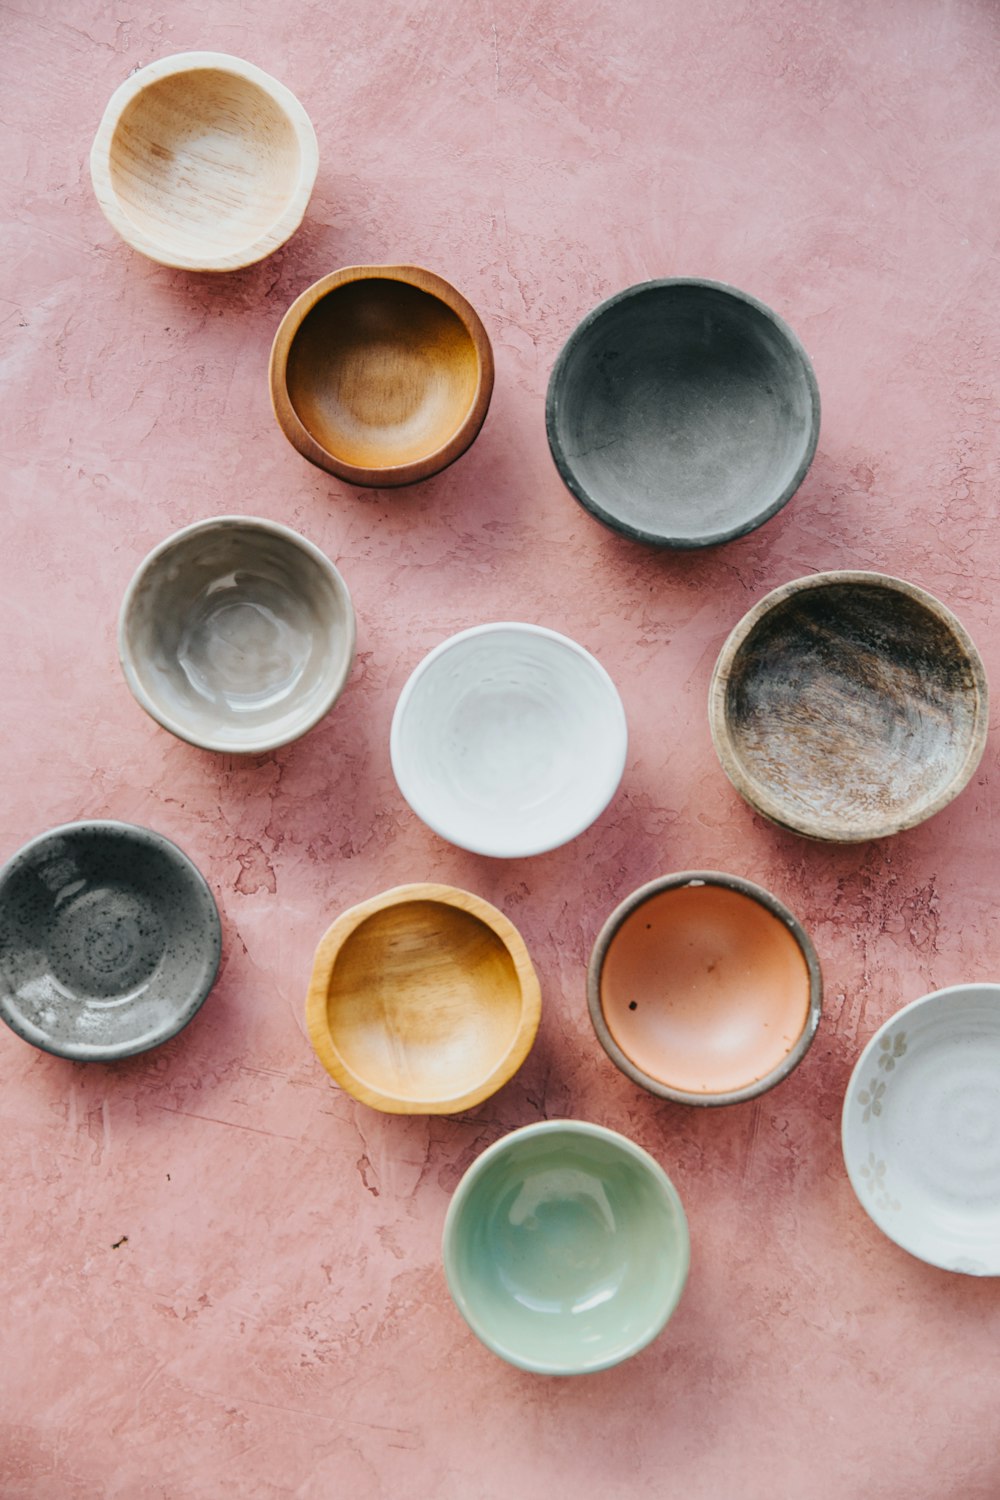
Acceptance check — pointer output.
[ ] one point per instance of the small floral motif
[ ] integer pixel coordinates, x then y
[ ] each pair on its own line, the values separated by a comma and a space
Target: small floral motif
873, 1171
871, 1099
891, 1049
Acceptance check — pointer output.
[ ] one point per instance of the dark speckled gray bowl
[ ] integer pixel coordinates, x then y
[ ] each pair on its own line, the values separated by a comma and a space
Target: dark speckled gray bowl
109, 941
682, 413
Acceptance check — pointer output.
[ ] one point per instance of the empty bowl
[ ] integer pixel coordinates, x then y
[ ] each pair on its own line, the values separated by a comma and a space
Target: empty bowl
236, 634
109, 941
204, 162
565, 1248
423, 1000
704, 989
682, 413
382, 375
848, 706
508, 739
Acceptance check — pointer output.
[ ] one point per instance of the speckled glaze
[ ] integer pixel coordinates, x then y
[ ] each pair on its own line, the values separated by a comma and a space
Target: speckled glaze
109, 941
565, 1247
237, 634
682, 413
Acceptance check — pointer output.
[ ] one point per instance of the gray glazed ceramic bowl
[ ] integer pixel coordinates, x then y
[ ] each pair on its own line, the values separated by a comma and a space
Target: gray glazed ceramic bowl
109, 941
565, 1248
682, 413
237, 635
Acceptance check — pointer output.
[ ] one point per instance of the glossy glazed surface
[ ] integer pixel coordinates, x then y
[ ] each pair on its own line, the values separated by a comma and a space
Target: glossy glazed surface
109, 941
566, 1248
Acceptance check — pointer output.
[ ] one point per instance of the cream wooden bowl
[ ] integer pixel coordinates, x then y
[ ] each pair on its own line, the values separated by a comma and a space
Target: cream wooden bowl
423, 1000
204, 162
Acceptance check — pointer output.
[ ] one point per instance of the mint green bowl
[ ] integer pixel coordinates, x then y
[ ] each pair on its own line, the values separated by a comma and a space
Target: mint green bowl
565, 1247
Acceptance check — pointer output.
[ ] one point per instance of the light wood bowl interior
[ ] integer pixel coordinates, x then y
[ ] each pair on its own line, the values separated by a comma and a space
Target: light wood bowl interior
204, 162
381, 375
422, 1000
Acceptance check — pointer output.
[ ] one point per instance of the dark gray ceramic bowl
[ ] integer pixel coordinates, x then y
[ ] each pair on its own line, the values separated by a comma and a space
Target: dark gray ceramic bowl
109, 941
682, 413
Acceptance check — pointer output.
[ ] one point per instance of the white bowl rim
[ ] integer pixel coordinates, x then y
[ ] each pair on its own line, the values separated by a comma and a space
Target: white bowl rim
176, 726
411, 687
191, 62
583, 1129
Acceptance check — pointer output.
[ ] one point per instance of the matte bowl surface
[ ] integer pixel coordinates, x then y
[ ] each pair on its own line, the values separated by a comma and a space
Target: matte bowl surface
109, 941
565, 1248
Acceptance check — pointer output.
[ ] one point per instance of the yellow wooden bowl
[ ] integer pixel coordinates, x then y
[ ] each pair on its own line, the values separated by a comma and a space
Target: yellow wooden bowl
423, 1000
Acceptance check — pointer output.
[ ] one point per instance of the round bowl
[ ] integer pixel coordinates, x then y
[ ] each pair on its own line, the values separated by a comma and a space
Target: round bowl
565, 1248
382, 375
236, 634
848, 706
921, 1129
703, 988
508, 740
682, 413
109, 941
204, 162
423, 1001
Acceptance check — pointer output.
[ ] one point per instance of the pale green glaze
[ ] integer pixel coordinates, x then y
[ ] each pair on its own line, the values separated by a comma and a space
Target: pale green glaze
565, 1247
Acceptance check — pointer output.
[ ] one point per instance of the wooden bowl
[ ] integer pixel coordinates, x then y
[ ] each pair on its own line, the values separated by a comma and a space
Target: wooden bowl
423, 1000
703, 988
204, 162
682, 413
848, 706
382, 375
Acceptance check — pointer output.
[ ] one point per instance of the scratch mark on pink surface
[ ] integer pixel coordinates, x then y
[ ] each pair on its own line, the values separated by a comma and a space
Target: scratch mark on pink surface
232, 1124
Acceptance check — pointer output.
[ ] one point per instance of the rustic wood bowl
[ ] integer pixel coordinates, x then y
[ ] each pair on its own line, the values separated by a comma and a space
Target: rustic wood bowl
849, 706
204, 162
382, 375
423, 1000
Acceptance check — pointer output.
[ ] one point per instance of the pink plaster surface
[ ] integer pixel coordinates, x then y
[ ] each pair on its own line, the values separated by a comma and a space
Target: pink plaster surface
274, 1320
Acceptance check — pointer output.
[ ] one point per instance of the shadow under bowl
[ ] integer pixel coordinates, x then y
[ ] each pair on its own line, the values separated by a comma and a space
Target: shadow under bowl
422, 1000
381, 375
109, 941
704, 989
849, 706
237, 635
204, 162
682, 413
565, 1248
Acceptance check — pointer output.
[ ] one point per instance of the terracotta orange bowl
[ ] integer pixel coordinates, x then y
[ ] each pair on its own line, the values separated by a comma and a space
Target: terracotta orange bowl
703, 988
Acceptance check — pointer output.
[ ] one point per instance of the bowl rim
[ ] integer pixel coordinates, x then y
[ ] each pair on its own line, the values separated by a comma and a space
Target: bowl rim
412, 686
758, 795
138, 834
266, 742
863, 1060
282, 228
591, 503
742, 887
324, 961
388, 475
581, 1129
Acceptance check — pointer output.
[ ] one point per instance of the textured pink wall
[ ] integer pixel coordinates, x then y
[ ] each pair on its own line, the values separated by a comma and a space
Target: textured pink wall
277, 1322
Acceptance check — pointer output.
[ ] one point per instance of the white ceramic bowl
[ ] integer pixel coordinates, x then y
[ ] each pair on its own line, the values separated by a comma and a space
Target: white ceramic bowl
509, 739
921, 1128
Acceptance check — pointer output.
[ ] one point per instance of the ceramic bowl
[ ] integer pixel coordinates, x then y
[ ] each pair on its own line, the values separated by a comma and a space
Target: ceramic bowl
423, 1000
682, 413
848, 706
236, 634
921, 1129
109, 941
565, 1248
204, 162
382, 375
703, 988
508, 739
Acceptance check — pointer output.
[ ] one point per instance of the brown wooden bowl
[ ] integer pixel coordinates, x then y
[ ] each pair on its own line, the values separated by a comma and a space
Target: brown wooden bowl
423, 1000
849, 706
382, 375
